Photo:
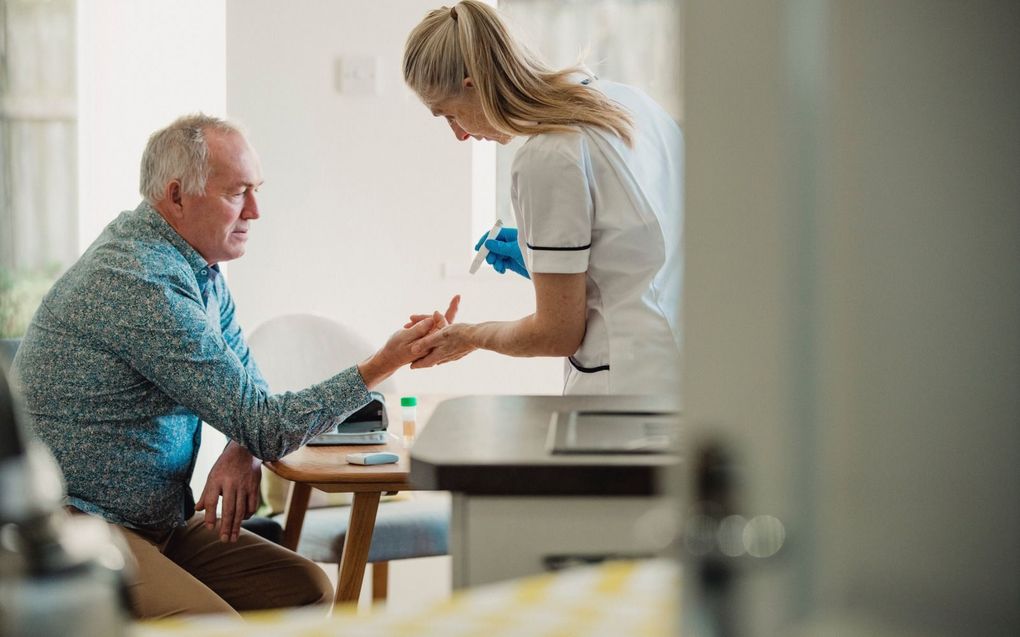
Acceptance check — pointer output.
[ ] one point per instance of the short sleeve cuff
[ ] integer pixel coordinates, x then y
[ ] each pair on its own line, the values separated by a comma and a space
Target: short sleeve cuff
558, 260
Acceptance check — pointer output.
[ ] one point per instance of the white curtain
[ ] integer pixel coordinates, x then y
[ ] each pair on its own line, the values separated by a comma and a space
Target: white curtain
631, 41
38, 156
637, 42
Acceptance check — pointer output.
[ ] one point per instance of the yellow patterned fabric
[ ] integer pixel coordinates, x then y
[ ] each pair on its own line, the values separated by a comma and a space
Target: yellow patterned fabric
636, 599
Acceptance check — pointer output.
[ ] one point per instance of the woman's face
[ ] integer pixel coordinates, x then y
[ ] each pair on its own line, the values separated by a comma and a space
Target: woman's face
465, 116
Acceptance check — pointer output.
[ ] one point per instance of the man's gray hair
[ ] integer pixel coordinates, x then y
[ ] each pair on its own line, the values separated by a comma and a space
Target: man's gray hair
180, 152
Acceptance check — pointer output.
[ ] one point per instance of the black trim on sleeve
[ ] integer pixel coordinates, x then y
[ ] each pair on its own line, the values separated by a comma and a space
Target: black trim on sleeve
559, 249
587, 370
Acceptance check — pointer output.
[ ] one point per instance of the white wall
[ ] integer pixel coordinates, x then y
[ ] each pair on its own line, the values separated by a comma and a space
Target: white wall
140, 65
367, 199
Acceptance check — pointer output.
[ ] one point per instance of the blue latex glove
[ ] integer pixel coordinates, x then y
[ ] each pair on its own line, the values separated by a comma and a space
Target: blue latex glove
504, 253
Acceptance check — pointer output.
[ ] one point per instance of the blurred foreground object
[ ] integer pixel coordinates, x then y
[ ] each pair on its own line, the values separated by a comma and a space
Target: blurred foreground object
626, 598
59, 575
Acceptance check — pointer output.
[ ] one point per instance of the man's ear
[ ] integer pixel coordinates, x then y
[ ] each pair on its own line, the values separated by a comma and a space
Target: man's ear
173, 195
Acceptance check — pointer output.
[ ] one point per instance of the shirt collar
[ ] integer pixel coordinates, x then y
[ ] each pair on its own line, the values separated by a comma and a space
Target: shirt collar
156, 221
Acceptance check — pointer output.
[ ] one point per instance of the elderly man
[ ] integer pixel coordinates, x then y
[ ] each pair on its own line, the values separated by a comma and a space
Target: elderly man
137, 344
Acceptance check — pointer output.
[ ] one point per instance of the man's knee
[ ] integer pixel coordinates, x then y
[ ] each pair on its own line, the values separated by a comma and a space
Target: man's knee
293, 581
160, 588
318, 588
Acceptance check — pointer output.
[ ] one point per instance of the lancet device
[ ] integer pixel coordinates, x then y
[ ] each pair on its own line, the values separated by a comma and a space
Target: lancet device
482, 250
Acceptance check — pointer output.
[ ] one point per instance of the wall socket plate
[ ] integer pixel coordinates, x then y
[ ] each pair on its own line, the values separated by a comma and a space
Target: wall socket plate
357, 75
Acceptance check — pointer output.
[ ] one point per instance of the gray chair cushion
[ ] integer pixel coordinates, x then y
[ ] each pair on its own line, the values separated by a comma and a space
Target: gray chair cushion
417, 527
264, 527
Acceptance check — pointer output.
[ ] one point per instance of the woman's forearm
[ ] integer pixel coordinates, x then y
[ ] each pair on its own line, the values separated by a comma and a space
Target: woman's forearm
524, 337
556, 328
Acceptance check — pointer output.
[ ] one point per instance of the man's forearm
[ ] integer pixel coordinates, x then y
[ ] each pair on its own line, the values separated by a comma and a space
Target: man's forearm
374, 370
236, 448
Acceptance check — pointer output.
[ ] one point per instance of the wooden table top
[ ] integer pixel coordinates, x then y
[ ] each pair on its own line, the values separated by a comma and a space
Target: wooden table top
325, 467
327, 464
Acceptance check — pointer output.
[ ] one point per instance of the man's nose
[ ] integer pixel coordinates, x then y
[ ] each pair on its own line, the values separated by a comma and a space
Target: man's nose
251, 207
459, 132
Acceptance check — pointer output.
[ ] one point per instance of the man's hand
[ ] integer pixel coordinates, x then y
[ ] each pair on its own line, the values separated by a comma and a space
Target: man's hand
451, 349
236, 476
445, 345
442, 320
394, 354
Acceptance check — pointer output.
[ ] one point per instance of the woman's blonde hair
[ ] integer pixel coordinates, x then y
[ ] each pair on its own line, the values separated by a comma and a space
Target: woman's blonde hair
520, 94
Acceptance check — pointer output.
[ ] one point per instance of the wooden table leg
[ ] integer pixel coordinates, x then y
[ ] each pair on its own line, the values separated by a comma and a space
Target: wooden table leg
356, 545
380, 581
294, 513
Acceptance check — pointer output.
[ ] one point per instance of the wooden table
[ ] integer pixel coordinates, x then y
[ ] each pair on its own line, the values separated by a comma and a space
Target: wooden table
325, 468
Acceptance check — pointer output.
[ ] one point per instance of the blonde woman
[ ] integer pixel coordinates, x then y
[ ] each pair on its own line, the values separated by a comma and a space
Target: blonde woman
597, 197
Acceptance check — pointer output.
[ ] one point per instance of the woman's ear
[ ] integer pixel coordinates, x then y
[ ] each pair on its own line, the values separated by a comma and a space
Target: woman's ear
468, 83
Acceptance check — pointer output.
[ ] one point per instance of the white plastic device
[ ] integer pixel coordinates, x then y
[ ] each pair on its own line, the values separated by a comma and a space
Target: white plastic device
377, 457
483, 251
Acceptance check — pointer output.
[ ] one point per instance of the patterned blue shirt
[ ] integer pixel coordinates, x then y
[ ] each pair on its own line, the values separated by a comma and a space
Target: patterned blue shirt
132, 348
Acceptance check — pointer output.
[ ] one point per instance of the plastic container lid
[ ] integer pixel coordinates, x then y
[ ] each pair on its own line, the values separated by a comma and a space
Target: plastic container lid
408, 401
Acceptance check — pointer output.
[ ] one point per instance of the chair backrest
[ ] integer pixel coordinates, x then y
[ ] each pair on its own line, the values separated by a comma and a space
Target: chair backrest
295, 351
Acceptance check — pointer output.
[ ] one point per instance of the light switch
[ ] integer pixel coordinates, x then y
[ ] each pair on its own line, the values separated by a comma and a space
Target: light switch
357, 75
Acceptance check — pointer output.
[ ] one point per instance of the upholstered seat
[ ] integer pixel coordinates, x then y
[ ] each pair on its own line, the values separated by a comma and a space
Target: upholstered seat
414, 527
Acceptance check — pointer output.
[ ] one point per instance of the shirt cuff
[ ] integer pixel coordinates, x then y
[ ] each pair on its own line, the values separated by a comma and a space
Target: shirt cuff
558, 260
345, 392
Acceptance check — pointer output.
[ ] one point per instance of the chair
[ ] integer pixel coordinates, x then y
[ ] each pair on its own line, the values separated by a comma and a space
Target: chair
298, 350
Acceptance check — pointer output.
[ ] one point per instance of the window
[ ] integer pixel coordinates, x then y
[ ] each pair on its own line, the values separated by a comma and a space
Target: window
38, 159
636, 42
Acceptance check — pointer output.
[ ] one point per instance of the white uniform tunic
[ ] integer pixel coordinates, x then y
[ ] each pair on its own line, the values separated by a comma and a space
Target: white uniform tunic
586, 202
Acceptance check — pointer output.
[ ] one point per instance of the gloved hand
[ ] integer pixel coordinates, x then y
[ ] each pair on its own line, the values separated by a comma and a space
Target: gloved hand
504, 253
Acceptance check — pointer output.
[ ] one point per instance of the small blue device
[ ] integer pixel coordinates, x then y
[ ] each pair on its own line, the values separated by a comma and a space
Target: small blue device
377, 457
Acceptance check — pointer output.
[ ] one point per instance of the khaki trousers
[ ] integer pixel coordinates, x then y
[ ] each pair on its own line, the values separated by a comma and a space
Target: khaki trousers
190, 571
